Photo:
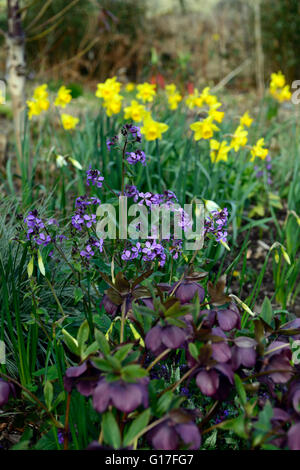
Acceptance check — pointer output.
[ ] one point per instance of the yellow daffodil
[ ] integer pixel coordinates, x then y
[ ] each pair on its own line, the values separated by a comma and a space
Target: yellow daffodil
136, 111
204, 129
258, 150
130, 86
41, 92
33, 109
239, 139
214, 114
194, 98
278, 89
246, 120
171, 89
219, 150
153, 130
69, 122
63, 97
277, 80
173, 100
146, 92
2, 98
113, 105
281, 95
108, 89
208, 99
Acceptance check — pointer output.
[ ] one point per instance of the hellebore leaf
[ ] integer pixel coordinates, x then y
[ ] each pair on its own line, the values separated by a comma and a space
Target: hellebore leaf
266, 311
217, 292
102, 342
111, 431
236, 425
71, 342
83, 335
123, 351
193, 350
240, 389
48, 394
132, 372
136, 427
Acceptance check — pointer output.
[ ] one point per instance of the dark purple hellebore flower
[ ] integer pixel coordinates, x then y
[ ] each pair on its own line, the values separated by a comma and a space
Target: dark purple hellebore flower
169, 435
160, 338
227, 318
187, 290
244, 352
221, 352
278, 419
208, 381
294, 396
109, 306
6, 389
84, 377
294, 437
123, 395
277, 358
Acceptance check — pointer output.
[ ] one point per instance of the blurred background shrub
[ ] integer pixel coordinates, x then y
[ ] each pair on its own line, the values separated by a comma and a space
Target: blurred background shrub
195, 40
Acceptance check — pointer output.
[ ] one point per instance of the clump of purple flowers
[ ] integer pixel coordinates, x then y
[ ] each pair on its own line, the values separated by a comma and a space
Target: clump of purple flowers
154, 251
131, 252
36, 228
135, 157
260, 173
112, 142
82, 218
131, 130
215, 224
94, 177
88, 252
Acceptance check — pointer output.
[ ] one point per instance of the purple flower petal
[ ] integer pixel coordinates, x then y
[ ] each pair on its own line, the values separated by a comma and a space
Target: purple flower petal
208, 382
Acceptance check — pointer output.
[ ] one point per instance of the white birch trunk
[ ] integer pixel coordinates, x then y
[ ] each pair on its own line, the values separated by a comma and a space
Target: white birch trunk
15, 68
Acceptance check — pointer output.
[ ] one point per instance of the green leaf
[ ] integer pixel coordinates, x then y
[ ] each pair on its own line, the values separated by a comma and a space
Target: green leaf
121, 354
237, 425
91, 349
41, 264
193, 350
164, 403
30, 266
83, 335
132, 372
136, 427
71, 342
240, 389
78, 295
102, 364
102, 342
111, 431
48, 394
266, 311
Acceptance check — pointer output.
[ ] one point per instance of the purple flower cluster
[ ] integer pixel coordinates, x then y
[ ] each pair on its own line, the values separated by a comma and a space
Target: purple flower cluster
176, 249
154, 251
260, 173
135, 157
216, 223
88, 252
151, 251
131, 130
94, 177
35, 227
132, 252
112, 142
82, 218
